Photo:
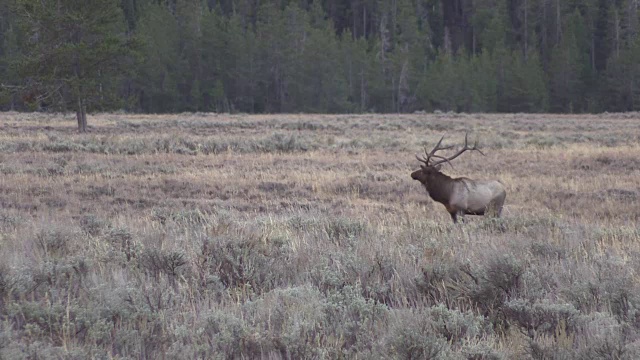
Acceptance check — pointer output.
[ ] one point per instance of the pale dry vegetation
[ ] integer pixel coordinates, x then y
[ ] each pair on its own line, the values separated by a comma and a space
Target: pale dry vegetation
297, 236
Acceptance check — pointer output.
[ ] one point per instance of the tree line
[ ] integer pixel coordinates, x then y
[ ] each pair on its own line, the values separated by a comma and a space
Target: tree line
324, 56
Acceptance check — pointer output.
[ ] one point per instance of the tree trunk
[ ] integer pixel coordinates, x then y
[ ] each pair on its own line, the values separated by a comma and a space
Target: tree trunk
526, 30
617, 25
543, 44
364, 21
473, 41
81, 116
447, 40
363, 92
593, 53
558, 23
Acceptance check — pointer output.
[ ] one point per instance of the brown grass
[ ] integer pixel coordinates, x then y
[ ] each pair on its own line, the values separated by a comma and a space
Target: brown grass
300, 236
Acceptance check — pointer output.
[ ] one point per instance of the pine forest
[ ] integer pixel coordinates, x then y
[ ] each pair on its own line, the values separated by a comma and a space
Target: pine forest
329, 56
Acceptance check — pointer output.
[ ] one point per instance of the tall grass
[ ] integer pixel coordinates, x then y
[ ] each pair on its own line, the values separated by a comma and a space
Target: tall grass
307, 239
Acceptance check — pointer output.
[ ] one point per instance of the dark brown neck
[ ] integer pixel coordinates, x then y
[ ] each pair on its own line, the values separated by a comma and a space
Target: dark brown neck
440, 187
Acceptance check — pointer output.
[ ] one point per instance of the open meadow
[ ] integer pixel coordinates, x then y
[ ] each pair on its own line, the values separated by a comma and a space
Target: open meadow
203, 236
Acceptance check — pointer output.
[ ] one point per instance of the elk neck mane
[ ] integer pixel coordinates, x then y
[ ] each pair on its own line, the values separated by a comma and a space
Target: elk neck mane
440, 186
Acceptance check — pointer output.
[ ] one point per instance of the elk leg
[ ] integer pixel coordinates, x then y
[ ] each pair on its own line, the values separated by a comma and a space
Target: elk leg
454, 217
496, 210
461, 214
492, 210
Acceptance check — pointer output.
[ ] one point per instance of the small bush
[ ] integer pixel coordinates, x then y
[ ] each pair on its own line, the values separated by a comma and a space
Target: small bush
92, 225
604, 337
294, 321
283, 143
613, 288
191, 217
340, 229
239, 263
4, 287
354, 319
481, 351
55, 242
222, 334
62, 146
156, 262
445, 282
542, 317
122, 240
456, 326
505, 273
532, 226
411, 336
9, 220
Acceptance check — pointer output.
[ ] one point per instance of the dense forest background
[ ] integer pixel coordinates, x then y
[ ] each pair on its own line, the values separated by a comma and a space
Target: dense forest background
336, 56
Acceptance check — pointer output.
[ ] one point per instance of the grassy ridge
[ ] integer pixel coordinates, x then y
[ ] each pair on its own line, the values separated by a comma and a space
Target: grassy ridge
300, 236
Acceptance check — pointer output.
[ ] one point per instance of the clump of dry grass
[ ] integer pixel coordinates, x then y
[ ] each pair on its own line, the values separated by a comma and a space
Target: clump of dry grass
295, 236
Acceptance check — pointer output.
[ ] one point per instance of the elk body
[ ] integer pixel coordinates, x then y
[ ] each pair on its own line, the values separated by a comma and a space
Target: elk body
460, 196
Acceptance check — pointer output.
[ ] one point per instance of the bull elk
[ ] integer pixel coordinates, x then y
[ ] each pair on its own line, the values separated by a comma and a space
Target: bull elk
460, 196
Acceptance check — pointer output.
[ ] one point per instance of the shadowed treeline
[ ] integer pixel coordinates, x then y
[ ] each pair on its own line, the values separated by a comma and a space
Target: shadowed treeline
329, 56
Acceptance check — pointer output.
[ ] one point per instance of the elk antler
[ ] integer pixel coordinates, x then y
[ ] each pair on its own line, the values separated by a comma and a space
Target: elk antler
432, 154
464, 148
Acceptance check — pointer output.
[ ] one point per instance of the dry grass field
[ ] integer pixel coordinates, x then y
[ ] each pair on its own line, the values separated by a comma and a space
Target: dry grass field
206, 236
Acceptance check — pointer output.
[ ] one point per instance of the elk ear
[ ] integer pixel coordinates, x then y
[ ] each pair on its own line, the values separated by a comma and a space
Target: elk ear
438, 167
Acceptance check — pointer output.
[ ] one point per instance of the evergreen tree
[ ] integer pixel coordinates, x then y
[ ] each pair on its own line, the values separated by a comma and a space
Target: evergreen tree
11, 37
524, 88
483, 83
242, 66
321, 86
188, 15
158, 72
570, 68
622, 79
280, 35
354, 57
75, 53
438, 89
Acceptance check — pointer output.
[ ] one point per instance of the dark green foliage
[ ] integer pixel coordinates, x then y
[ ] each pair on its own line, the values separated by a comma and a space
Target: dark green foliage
321, 56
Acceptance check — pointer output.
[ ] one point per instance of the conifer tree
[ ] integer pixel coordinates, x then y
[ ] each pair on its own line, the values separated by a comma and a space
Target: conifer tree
157, 74
75, 53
